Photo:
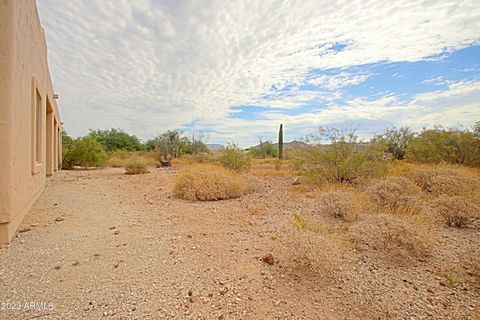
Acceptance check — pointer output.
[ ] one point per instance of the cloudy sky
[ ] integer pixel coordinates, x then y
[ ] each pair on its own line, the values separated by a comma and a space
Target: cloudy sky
237, 69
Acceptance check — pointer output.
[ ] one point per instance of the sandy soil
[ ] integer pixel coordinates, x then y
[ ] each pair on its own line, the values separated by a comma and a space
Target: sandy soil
106, 245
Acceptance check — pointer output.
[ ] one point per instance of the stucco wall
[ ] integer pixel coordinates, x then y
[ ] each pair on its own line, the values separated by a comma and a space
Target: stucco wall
23, 66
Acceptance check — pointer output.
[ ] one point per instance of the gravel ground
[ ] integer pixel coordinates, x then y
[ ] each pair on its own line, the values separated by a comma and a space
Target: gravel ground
103, 244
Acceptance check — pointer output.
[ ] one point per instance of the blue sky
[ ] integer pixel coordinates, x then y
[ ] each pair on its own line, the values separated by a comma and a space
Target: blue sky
236, 70
403, 80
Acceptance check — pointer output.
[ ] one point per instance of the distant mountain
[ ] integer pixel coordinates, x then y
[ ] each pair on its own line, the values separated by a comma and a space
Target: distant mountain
215, 146
295, 145
289, 145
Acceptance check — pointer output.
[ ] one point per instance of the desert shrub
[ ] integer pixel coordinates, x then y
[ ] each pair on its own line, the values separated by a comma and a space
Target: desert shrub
85, 152
170, 142
395, 194
201, 157
344, 159
120, 154
445, 145
396, 141
208, 182
265, 149
457, 211
303, 243
338, 204
389, 235
136, 165
115, 162
444, 181
234, 158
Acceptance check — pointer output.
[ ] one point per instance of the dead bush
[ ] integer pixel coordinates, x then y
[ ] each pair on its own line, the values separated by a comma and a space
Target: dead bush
457, 211
307, 244
390, 236
338, 204
395, 194
208, 182
120, 154
444, 181
115, 162
136, 165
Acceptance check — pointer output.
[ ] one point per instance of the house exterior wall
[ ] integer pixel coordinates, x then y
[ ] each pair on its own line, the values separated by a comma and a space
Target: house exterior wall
24, 74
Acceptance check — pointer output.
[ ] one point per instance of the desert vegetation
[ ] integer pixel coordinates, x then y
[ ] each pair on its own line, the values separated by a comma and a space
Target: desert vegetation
208, 182
136, 165
401, 200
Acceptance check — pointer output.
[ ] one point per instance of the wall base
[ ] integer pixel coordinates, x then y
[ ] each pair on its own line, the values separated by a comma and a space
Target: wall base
8, 229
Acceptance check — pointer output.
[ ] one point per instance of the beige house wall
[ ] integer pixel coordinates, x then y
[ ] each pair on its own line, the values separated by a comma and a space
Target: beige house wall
24, 74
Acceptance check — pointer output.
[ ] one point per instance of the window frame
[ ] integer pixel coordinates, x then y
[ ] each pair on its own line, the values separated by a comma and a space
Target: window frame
37, 127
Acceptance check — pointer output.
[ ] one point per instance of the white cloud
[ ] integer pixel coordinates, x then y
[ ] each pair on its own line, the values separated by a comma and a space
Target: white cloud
459, 105
342, 79
147, 65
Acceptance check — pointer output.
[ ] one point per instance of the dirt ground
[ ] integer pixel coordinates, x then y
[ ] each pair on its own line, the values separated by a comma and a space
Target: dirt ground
106, 245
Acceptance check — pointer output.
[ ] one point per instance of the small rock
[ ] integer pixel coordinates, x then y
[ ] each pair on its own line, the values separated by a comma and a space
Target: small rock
75, 263
58, 219
296, 181
57, 267
268, 258
117, 232
113, 227
116, 264
96, 254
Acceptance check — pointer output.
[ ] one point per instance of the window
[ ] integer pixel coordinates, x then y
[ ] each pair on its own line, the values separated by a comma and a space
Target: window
37, 119
38, 127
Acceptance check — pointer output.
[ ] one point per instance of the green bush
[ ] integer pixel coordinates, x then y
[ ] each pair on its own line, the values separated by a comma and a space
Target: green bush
84, 152
264, 150
396, 141
344, 160
445, 145
234, 158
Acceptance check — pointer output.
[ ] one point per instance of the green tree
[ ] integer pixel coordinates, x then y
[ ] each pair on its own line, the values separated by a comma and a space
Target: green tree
116, 139
445, 145
85, 152
171, 142
396, 141
150, 145
68, 145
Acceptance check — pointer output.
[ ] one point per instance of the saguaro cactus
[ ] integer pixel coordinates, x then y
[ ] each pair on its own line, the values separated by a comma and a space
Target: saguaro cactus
280, 142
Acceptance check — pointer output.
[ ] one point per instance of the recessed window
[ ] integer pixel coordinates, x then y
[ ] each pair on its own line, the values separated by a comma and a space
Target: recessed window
38, 127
